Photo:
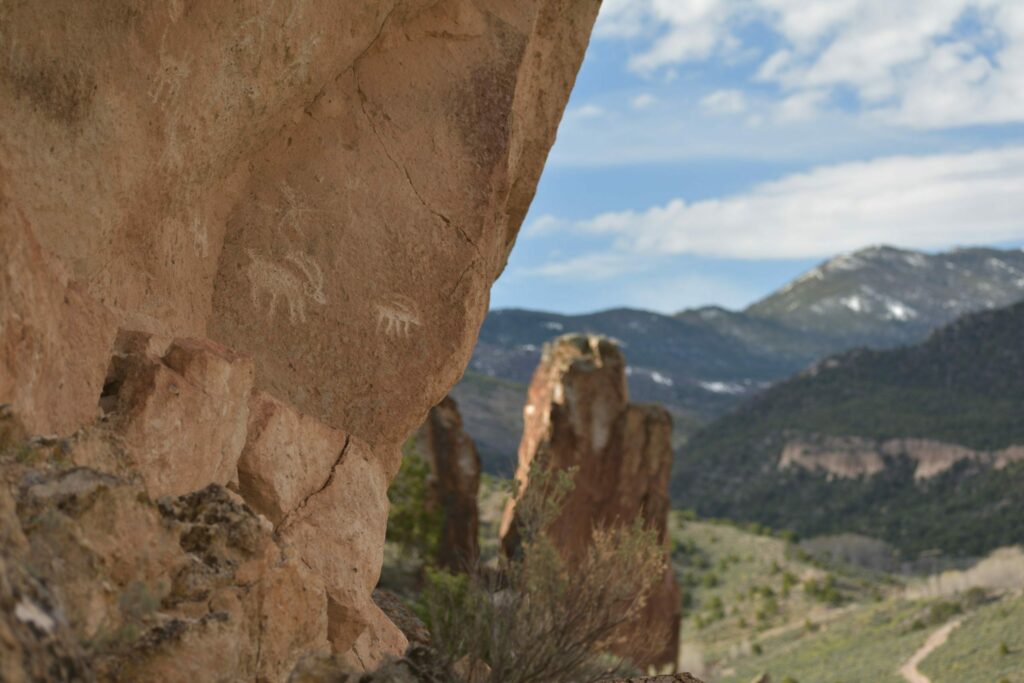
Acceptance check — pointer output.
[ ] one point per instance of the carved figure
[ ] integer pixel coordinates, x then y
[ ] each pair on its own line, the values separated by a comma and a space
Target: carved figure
397, 316
279, 281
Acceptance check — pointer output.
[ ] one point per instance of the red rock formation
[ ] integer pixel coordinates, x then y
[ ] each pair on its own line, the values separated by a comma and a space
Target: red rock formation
250, 244
454, 481
577, 414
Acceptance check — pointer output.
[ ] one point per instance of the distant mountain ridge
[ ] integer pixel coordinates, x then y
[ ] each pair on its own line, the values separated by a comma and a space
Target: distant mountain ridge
882, 296
702, 362
920, 446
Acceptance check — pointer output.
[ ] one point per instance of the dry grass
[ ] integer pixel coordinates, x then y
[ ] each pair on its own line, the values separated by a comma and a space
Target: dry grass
541, 618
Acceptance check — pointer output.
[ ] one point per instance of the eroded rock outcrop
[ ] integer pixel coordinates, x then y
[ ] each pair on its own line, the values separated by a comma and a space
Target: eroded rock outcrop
852, 457
454, 483
123, 588
249, 245
578, 415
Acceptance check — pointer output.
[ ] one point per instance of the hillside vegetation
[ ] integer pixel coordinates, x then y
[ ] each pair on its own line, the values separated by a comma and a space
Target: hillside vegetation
760, 604
703, 362
965, 385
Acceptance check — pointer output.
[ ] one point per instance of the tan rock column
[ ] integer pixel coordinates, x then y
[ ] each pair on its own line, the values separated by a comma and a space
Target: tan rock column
577, 415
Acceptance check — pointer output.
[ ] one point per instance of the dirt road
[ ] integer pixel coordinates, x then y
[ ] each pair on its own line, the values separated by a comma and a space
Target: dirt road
935, 640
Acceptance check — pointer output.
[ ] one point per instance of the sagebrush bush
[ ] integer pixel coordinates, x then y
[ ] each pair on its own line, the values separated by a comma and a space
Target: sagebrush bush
540, 617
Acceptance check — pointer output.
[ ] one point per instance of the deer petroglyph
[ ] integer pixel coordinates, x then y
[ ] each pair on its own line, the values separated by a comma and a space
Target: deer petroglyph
397, 316
279, 281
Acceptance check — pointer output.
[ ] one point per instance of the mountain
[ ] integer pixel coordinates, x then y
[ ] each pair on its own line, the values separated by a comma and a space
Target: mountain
700, 363
921, 446
883, 296
694, 370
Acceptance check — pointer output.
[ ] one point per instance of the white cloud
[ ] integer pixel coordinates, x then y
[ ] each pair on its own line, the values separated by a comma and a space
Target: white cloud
918, 202
593, 266
918, 63
725, 102
802, 106
544, 225
587, 111
644, 101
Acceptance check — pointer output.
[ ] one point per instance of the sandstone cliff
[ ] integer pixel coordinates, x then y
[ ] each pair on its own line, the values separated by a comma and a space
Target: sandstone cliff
454, 483
246, 247
578, 415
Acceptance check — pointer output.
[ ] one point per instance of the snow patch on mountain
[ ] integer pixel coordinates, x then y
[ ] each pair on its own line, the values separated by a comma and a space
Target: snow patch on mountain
731, 388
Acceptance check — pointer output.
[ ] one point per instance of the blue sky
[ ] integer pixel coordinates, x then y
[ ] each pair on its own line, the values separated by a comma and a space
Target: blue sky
715, 149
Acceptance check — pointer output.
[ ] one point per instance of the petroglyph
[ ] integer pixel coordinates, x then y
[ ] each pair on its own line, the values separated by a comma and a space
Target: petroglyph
397, 317
293, 213
269, 278
169, 79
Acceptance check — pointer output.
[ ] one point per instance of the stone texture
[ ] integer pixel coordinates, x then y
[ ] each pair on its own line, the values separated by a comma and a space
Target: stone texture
287, 457
310, 199
339, 533
54, 340
123, 589
454, 482
179, 410
578, 415
328, 188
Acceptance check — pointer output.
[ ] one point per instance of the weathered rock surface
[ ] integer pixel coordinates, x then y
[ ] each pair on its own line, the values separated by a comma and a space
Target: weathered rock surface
121, 588
578, 415
179, 409
287, 458
246, 245
454, 482
327, 188
54, 339
853, 457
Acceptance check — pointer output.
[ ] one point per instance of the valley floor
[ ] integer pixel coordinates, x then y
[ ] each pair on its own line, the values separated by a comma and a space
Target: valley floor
757, 604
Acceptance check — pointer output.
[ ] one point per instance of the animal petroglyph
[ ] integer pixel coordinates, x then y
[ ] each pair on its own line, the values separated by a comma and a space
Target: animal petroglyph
397, 317
279, 281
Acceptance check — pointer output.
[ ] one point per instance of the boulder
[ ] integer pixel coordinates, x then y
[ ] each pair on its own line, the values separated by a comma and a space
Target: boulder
248, 246
55, 341
124, 589
327, 188
454, 484
180, 410
338, 532
578, 415
287, 457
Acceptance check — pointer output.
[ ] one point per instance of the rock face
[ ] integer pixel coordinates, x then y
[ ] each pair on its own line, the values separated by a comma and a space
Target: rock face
852, 457
247, 246
454, 482
578, 415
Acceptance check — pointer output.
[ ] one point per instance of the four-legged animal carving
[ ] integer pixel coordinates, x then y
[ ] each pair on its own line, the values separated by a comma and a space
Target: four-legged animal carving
397, 316
268, 277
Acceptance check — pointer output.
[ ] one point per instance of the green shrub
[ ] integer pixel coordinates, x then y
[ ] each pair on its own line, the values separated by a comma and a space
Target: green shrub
414, 522
542, 617
942, 612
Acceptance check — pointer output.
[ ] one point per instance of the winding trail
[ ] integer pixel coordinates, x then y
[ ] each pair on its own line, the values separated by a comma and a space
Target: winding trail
935, 641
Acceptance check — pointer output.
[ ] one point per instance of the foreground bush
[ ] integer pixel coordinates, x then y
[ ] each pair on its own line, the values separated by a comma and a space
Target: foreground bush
540, 618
